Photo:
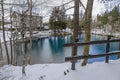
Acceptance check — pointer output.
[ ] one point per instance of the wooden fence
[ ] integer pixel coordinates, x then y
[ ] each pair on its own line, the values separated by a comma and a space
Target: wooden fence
107, 54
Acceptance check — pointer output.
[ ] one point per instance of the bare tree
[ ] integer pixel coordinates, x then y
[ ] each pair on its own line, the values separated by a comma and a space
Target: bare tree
88, 20
15, 44
22, 29
13, 37
23, 42
75, 32
30, 29
3, 29
11, 48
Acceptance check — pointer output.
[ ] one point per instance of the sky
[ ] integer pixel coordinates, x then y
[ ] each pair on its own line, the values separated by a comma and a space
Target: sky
98, 7
44, 7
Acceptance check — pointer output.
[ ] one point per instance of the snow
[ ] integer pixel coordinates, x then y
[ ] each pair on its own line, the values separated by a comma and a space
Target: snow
7, 35
95, 71
38, 34
105, 33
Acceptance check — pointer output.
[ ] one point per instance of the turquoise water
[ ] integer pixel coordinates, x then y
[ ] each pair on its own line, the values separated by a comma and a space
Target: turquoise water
51, 50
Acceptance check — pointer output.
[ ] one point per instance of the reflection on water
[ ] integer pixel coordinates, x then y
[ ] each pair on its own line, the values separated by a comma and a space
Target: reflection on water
49, 50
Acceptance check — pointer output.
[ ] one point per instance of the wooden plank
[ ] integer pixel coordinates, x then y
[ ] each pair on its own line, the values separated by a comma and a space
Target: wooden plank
92, 56
90, 43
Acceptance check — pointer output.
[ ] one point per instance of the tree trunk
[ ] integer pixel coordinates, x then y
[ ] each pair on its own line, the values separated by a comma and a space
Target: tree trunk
15, 52
23, 54
88, 20
1, 56
15, 46
11, 36
3, 29
75, 32
11, 49
23, 42
30, 30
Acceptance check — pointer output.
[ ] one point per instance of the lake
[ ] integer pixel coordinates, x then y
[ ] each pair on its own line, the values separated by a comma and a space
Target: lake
51, 50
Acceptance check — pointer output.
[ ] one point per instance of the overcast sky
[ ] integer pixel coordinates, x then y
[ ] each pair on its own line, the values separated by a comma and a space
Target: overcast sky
98, 7
44, 7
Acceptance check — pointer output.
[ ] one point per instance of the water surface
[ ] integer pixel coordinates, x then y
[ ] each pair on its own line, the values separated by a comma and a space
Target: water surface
51, 50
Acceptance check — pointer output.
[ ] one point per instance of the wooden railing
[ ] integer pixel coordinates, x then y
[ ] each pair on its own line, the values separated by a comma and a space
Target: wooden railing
92, 56
107, 54
91, 43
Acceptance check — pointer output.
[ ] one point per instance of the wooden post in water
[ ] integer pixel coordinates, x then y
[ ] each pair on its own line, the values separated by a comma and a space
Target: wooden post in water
107, 49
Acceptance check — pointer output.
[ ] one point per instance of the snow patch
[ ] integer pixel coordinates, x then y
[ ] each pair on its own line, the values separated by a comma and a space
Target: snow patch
62, 71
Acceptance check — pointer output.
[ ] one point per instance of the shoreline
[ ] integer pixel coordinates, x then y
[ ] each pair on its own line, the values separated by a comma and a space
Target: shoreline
105, 34
47, 35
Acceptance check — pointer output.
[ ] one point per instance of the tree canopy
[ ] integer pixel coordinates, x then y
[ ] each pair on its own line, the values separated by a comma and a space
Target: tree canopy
57, 19
58, 25
109, 17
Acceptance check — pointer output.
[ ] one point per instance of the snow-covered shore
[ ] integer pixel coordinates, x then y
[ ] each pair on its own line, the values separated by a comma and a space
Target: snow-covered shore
36, 34
105, 33
95, 71
44, 34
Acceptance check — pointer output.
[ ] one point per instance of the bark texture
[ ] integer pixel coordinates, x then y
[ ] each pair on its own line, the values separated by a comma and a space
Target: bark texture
3, 29
75, 32
88, 20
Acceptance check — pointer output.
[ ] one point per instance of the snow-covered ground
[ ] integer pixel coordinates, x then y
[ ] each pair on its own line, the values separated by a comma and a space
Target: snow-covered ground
7, 34
39, 34
95, 71
104, 33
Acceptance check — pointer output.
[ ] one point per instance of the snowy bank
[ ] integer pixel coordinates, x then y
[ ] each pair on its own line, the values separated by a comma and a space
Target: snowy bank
105, 33
95, 71
36, 34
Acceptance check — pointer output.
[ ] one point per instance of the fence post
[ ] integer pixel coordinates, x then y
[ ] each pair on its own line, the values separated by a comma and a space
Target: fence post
107, 49
119, 49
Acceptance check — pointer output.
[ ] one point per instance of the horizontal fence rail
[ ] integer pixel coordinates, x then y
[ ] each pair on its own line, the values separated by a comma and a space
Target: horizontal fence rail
92, 56
90, 43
